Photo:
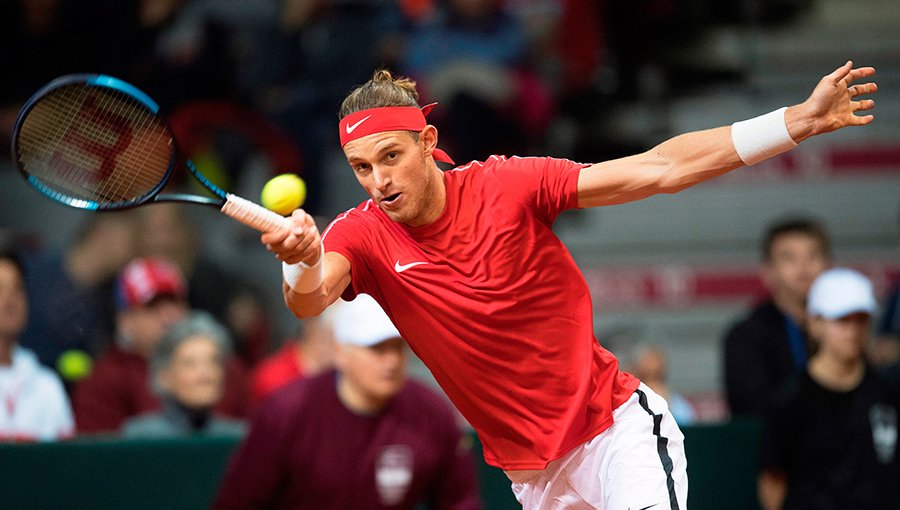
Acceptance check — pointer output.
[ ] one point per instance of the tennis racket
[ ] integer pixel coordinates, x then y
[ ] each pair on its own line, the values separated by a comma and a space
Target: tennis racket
98, 143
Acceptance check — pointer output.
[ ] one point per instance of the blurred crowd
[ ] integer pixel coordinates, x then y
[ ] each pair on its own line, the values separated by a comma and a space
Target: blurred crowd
241, 79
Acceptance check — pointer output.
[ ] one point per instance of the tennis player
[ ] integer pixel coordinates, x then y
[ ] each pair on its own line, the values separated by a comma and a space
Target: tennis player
466, 265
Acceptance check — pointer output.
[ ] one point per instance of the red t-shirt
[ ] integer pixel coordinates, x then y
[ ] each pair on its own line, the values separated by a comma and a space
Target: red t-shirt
493, 303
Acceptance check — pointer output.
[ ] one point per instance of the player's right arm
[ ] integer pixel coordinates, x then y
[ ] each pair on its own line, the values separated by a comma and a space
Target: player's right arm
317, 279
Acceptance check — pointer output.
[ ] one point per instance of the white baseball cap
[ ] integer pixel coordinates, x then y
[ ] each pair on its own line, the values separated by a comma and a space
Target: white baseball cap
362, 322
840, 292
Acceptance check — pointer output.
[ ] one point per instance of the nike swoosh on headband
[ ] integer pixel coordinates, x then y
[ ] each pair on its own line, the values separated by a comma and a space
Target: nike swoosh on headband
351, 129
387, 118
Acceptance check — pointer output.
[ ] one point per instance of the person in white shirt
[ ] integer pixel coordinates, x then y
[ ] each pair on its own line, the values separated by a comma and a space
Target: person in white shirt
33, 402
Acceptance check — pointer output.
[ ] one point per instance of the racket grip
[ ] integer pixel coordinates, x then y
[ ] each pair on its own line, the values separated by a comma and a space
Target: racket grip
254, 215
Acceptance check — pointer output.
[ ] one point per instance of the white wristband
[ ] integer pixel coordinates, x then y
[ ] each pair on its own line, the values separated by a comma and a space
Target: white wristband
302, 277
761, 137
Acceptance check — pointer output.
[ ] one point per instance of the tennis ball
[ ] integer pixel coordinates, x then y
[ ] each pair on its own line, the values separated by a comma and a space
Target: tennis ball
74, 365
284, 193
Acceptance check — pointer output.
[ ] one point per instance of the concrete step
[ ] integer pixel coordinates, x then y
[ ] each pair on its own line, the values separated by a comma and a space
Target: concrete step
858, 14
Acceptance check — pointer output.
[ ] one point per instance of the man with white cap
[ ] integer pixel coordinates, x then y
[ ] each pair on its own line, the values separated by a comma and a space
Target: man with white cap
360, 436
830, 440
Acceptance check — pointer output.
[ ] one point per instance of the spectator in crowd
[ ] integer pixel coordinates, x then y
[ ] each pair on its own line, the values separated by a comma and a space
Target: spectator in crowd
317, 50
650, 367
36, 406
151, 298
830, 438
310, 353
187, 372
764, 349
361, 436
71, 302
470, 58
166, 231
884, 353
890, 320
884, 350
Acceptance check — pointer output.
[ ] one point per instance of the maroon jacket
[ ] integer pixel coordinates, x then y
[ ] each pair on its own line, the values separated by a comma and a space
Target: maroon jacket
119, 388
306, 450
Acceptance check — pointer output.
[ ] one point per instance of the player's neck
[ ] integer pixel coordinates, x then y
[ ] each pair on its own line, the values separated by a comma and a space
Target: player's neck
836, 374
435, 198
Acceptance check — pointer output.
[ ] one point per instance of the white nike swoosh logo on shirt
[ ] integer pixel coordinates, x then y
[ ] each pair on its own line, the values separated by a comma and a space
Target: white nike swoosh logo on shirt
403, 267
350, 128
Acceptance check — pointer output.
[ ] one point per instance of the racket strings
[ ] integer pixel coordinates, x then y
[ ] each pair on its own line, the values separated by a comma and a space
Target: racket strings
149, 163
115, 109
96, 144
72, 167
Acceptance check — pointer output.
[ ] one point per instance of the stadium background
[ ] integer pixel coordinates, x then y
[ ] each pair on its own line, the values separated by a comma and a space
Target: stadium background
672, 270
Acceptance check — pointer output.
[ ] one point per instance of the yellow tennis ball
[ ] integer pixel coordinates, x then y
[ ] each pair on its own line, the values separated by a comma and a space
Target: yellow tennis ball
284, 193
74, 365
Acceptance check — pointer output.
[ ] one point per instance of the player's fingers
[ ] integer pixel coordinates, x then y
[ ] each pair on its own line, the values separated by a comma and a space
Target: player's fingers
300, 216
865, 104
298, 222
303, 245
289, 256
840, 73
304, 223
862, 119
279, 250
862, 89
275, 237
307, 253
859, 72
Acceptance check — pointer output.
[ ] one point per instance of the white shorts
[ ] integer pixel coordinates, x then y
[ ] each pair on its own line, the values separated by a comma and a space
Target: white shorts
636, 464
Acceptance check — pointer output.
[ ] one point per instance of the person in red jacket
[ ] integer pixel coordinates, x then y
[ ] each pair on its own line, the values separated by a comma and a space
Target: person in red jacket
151, 297
362, 436
307, 354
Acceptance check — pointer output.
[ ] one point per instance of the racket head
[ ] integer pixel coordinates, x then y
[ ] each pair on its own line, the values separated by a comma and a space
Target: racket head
93, 142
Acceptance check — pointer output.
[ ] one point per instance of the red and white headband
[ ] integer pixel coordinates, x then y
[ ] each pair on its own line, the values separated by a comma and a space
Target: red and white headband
387, 118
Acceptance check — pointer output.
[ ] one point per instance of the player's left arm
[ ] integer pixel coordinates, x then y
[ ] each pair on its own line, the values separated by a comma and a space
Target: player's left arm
691, 158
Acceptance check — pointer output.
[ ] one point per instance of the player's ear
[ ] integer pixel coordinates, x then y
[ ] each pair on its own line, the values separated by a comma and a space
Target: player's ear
428, 138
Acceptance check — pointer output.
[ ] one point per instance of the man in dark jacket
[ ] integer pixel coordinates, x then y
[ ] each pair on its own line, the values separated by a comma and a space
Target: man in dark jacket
764, 349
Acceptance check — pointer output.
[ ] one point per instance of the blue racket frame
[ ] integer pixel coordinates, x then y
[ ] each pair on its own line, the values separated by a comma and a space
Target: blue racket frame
123, 87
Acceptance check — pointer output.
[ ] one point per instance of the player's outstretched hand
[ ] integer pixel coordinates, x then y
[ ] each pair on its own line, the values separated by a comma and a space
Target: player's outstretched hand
300, 244
833, 103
